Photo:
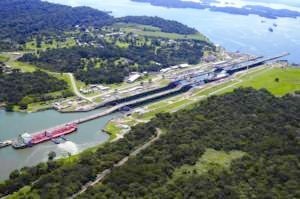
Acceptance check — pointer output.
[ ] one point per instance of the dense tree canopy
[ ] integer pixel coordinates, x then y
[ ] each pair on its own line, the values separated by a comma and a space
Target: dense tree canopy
139, 58
264, 127
23, 18
15, 86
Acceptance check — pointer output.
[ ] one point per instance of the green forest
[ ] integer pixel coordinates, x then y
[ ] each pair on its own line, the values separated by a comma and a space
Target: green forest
150, 57
19, 88
243, 144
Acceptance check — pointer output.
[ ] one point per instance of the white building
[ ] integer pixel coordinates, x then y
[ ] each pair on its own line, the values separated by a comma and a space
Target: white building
164, 70
183, 65
102, 88
133, 77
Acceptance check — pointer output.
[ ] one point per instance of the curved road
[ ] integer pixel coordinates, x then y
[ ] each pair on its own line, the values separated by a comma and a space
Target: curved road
104, 173
75, 89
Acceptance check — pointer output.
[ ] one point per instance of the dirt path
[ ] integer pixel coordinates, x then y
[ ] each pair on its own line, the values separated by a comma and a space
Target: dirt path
103, 174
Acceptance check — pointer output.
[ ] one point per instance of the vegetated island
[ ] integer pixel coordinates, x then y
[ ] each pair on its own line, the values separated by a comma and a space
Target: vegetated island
94, 46
232, 145
245, 10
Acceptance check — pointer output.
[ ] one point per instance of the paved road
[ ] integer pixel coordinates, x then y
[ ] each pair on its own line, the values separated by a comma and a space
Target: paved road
75, 89
103, 174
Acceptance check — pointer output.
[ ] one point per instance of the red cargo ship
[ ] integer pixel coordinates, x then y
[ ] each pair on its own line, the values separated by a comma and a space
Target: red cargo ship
27, 140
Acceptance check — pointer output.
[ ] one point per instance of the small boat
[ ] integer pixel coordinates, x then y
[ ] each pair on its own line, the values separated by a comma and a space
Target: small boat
275, 24
21, 141
5, 143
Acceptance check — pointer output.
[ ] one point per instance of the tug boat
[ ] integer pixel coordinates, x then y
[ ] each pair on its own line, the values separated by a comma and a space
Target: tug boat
5, 143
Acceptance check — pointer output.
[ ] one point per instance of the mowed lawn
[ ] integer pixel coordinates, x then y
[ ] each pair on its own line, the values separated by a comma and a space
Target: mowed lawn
24, 67
288, 80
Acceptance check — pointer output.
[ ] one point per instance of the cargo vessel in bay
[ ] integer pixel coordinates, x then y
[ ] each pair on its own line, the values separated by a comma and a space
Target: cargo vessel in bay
29, 140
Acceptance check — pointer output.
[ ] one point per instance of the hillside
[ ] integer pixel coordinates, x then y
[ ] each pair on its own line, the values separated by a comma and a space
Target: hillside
22, 19
240, 145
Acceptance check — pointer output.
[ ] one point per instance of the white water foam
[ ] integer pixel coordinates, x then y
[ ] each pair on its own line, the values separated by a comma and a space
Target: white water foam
69, 147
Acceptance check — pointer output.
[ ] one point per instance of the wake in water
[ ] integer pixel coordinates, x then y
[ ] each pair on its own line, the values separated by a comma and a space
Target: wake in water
68, 147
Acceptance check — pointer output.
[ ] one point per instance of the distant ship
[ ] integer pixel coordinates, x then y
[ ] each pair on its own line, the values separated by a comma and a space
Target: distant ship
28, 140
275, 25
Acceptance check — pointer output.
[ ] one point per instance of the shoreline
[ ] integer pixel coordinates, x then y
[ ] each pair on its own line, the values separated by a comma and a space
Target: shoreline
262, 11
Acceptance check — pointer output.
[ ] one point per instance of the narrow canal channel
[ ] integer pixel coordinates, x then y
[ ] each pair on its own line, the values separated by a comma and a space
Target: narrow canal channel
12, 124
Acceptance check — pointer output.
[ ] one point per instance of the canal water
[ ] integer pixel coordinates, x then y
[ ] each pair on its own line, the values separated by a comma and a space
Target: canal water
234, 32
12, 124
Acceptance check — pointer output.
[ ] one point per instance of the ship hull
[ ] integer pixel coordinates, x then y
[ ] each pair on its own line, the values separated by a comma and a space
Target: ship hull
53, 137
3, 145
45, 136
19, 146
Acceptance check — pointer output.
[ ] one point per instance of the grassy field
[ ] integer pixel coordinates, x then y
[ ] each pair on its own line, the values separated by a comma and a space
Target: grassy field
3, 58
165, 35
162, 107
112, 129
32, 45
151, 31
23, 66
38, 106
288, 81
65, 77
211, 159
